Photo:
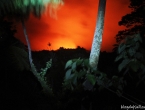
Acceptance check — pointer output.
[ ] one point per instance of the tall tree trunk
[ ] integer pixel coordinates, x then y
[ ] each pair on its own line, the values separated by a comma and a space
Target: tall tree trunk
97, 40
43, 83
27, 41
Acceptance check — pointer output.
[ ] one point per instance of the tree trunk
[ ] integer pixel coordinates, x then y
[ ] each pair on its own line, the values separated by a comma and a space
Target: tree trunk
97, 41
43, 83
33, 69
27, 41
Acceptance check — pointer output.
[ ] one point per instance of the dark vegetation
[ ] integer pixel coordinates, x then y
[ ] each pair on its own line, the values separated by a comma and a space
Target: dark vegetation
21, 90
119, 80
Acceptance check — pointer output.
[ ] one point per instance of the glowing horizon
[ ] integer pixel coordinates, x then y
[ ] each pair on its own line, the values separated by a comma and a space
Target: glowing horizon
74, 26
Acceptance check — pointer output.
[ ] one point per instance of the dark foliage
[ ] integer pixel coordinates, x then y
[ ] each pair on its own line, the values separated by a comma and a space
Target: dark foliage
134, 21
56, 73
19, 88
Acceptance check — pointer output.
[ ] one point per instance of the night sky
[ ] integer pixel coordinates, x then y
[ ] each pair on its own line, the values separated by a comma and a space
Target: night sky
74, 25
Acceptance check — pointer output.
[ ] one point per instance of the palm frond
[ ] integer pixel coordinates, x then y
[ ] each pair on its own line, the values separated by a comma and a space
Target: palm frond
16, 59
25, 7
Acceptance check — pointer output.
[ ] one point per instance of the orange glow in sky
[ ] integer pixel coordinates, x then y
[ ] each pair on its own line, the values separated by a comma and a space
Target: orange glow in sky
63, 43
75, 25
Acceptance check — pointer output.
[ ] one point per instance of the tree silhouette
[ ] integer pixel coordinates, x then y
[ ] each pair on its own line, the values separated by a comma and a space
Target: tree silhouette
134, 21
12, 50
5, 32
49, 45
97, 41
131, 42
20, 10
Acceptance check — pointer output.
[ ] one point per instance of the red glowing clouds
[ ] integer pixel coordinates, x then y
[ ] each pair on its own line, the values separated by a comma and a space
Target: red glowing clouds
75, 25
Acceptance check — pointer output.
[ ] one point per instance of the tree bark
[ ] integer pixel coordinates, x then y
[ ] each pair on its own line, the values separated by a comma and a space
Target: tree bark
97, 40
27, 41
33, 69
43, 83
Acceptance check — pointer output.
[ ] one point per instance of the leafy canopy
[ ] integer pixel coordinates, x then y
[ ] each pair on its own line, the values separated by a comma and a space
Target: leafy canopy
134, 21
